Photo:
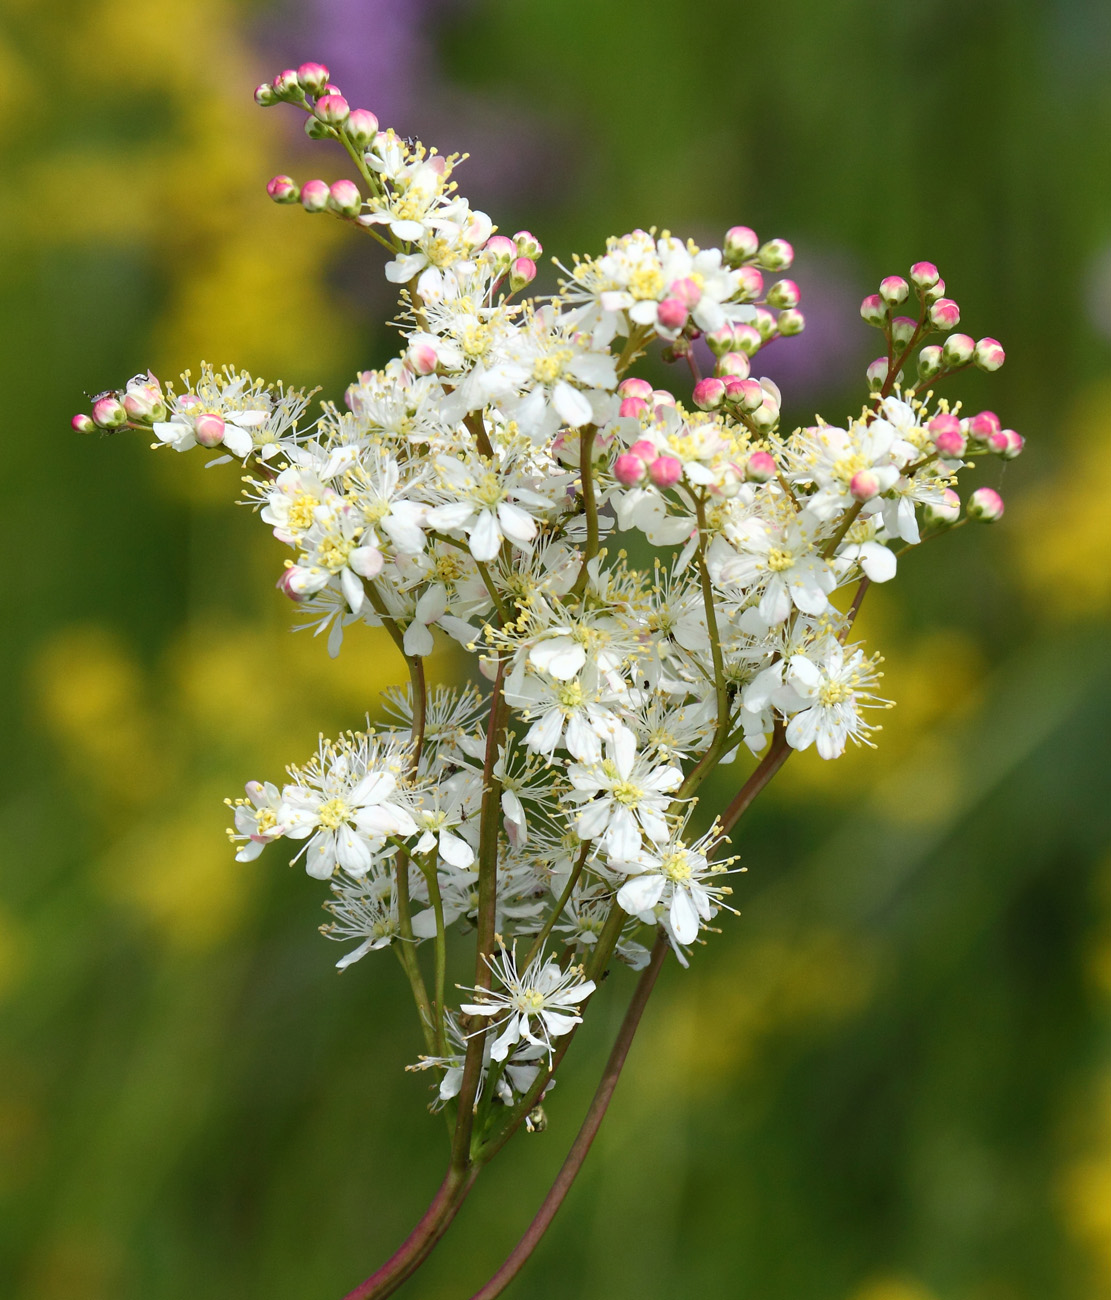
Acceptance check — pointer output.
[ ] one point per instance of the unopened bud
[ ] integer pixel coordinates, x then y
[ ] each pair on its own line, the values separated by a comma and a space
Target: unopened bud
632, 407
766, 415
989, 354
1015, 443
709, 394
734, 364
720, 340
986, 505
947, 435
663, 397
291, 583
314, 195
283, 189
748, 394
930, 361
665, 471
332, 110
776, 255
945, 314
902, 330
877, 373
766, 325
746, 339
687, 291
939, 514
873, 310
361, 127
633, 387
144, 403
108, 412
740, 242
894, 290
760, 467
750, 283
958, 349
208, 430
672, 314
935, 291
983, 425
344, 198
645, 450
522, 272
864, 485
286, 86
924, 275
784, 293
629, 470
790, 322
315, 129
500, 250
83, 424
264, 95
313, 77
422, 358
527, 244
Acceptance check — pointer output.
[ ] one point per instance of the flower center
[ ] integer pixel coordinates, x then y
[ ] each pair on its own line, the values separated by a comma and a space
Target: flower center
835, 693
778, 559
333, 814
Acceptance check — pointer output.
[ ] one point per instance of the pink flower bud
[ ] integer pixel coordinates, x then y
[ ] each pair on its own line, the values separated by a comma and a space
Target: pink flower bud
314, 195
633, 387
663, 397
313, 77
877, 373
943, 422
864, 485
740, 242
315, 129
108, 412
749, 395
332, 110
734, 392
522, 272
734, 364
709, 394
958, 349
144, 403
948, 437
902, 330
264, 95
746, 339
527, 244
687, 291
930, 361
873, 310
776, 255
983, 425
790, 322
422, 358
500, 250
344, 198
1015, 443
644, 450
765, 325
989, 354
750, 283
945, 314
784, 293
720, 340
924, 275
290, 583
760, 467
945, 512
208, 429
986, 505
665, 471
629, 470
283, 189
672, 314
894, 290
286, 86
633, 407
935, 291
83, 424
361, 127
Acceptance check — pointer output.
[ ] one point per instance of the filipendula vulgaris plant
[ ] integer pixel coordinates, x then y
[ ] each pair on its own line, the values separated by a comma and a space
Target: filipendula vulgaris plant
476, 485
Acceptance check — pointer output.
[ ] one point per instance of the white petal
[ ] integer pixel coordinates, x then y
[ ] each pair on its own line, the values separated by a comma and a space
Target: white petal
485, 537
572, 405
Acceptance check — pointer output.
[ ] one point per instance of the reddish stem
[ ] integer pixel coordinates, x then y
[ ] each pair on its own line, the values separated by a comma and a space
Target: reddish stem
772, 761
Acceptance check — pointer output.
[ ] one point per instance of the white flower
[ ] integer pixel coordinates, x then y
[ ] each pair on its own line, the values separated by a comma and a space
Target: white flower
256, 821
671, 885
622, 796
832, 686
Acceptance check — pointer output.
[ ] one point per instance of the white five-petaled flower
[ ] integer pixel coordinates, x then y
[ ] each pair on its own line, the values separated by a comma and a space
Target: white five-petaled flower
622, 796
674, 883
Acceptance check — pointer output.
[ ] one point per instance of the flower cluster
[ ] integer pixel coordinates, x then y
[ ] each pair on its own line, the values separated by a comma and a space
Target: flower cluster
490, 483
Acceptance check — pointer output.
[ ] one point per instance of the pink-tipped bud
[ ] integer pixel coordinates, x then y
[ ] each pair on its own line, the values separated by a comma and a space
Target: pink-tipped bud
720, 340
344, 198
986, 505
948, 437
144, 403
633, 387
687, 291
776, 255
1015, 443
864, 485
997, 443
283, 189
264, 95
790, 322
83, 424
522, 272
894, 290
313, 77
500, 250
632, 407
958, 349
740, 242
644, 450
945, 314
291, 583
629, 470
361, 127
663, 397
527, 244
784, 293
733, 365
750, 283
746, 339
877, 373
286, 86
314, 195
924, 275
422, 358
935, 291
672, 314
665, 471
332, 110
902, 330
940, 514
760, 467
989, 354
943, 422
873, 310
983, 425
766, 324
748, 394
709, 394
930, 361
108, 412
208, 429
315, 129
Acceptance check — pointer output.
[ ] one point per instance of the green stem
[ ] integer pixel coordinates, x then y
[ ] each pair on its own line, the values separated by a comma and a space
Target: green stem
590, 505
557, 911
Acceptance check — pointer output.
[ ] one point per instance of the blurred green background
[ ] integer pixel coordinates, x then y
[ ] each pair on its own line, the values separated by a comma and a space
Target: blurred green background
890, 1078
